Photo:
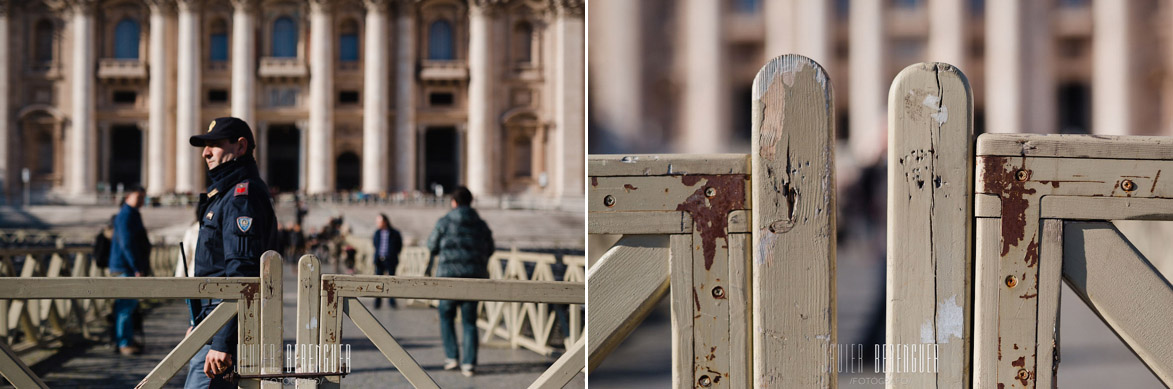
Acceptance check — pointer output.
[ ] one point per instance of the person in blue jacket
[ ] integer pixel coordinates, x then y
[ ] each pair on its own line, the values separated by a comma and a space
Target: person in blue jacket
128, 250
237, 225
387, 243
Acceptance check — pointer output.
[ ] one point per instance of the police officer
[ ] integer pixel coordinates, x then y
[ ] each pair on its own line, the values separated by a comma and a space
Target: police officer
237, 224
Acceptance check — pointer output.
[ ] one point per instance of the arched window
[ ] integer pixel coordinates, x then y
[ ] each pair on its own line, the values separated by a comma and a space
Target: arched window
440, 43
218, 42
126, 35
523, 38
348, 41
44, 42
284, 38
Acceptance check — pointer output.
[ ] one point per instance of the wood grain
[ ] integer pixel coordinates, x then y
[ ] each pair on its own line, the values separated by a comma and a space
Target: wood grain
793, 192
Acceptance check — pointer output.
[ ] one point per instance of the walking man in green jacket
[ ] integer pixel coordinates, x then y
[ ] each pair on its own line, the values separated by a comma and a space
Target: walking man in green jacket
462, 244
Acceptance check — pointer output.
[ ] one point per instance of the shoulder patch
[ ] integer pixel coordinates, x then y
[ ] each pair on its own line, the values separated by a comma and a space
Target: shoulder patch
244, 223
241, 189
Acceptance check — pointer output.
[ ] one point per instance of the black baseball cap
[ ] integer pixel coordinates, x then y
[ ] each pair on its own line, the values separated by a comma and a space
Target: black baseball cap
225, 128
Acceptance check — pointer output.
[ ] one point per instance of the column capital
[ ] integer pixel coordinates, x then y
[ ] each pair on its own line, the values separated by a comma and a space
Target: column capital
378, 5
321, 6
189, 5
486, 7
568, 8
245, 5
161, 5
81, 6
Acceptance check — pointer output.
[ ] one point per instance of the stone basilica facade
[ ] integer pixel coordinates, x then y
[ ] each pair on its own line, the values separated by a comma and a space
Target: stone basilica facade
374, 96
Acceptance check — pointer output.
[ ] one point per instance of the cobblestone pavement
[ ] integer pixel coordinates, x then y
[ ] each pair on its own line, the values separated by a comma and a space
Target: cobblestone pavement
417, 329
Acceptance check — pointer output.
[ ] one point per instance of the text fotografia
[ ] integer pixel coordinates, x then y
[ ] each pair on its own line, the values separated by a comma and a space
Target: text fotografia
300, 361
886, 358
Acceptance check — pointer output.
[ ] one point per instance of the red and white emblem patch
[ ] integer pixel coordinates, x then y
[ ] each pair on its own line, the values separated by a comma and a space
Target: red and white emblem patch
241, 189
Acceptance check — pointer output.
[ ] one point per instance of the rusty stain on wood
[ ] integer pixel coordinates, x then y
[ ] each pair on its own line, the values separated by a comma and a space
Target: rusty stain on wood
711, 215
999, 181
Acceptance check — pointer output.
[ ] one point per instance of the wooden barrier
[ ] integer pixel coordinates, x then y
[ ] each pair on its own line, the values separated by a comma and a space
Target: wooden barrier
1036, 205
743, 244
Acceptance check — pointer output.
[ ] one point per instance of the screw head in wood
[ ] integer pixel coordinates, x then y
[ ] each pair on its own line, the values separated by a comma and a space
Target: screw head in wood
705, 381
609, 200
1021, 175
1011, 281
719, 292
1023, 374
710, 192
1128, 185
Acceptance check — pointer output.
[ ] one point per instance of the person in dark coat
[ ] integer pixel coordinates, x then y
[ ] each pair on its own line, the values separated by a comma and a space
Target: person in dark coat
128, 251
462, 244
237, 225
387, 243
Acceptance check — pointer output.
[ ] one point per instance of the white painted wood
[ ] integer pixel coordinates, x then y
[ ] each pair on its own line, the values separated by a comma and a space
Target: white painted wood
272, 339
793, 193
1076, 146
553, 292
309, 290
564, 369
1106, 208
625, 285
987, 205
330, 332
1077, 177
1124, 290
646, 223
1050, 278
988, 246
666, 164
738, 291
667, 193
387, 344
930, 208
710, 321
189, 346
128, 287
15, 370
683, 309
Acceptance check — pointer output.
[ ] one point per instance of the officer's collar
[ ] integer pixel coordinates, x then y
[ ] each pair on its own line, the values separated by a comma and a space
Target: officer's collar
230, 173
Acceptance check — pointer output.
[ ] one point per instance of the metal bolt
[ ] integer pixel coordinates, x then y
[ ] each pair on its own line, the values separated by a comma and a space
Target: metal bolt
719, 292
609, 200
1022, 374
1021, 175
705, 381
1128, 185
710, 192
1011, 281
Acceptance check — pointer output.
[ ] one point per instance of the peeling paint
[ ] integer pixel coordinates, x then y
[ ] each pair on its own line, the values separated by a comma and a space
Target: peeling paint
950, 320
711, 215
934, 102
1002, 182
926, 331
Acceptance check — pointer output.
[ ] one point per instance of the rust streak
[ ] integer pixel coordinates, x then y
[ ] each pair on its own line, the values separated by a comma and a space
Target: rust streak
1000, 181
629, 188
711, 215
1154, 188
1028, 296
249, 292
1020, 362
594, 181
696, 300
1032, 253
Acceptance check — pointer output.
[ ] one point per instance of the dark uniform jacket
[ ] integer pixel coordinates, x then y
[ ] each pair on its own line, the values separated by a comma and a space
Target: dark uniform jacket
462, 244
237, 225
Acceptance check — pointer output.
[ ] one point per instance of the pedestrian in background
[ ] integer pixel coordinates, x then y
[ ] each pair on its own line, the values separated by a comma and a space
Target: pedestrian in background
462, 244
387, 243
129, 250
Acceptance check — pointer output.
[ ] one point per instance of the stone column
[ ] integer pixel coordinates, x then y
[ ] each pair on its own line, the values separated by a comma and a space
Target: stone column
869, 89
947, 28
616, 68
706, 124
482, 168
321, 131
244, 61
1022, 93
375, 102
568, 176
405, 123
1111, 68
158, 90
187, 99
81, 178
6, 172
799, 27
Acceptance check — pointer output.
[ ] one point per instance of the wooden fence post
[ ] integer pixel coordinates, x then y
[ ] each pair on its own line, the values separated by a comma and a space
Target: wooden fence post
271, 352
930, 219
793, 225
309, 287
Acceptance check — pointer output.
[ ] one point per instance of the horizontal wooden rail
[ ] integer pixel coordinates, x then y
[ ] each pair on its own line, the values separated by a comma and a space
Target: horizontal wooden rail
456, 289
129, 287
